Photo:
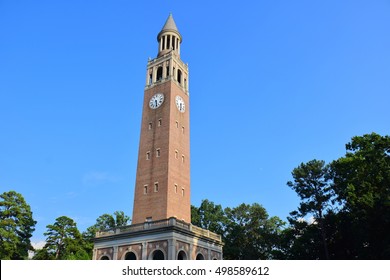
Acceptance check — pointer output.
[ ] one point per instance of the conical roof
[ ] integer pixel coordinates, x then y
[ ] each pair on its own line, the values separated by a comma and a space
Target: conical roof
169, 26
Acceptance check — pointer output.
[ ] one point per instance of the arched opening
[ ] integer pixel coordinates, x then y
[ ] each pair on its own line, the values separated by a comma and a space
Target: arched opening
181, 255
159, 73
158, 255
199, 257
130, 256
179, 76
105, 258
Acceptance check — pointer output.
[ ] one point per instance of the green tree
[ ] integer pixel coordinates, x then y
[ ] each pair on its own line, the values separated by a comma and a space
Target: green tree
209, 216
251, 234
16, 226
311, 183
361, 181
63, 242
104, 222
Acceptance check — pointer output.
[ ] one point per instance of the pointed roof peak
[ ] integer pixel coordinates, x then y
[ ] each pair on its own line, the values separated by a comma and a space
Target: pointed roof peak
170, 24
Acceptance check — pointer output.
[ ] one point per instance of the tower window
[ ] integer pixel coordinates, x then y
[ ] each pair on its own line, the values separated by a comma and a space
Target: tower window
147, 155
182, 192
179, 76
157, 152
173, 42
182, 129
150, 126
177, 124
159, 73
159, 122
175, 188
163, 42
145, 189
155, 187
168, 71
169, 42
150, 78
182, 158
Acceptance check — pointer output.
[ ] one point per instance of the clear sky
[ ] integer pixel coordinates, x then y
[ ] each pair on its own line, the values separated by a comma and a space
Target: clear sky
272, 84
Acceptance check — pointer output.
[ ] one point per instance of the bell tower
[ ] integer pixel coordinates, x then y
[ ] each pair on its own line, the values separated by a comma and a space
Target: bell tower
161, 227
162, 188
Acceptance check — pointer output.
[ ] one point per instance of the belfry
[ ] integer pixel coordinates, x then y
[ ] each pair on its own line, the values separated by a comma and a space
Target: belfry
161, 225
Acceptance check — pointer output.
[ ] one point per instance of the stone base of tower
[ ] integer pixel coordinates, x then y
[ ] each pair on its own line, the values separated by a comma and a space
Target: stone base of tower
168, 239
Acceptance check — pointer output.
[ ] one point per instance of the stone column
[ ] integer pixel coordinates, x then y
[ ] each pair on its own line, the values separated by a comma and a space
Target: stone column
115, 255
171, 249
144, 251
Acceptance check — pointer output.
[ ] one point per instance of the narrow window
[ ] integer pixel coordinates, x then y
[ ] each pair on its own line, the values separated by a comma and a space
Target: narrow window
150, 126
155, 187
173, 42
176, 154
150, 78
158, 153
177, 124
182, 129
168, 71
182, 192
185, 83
147, 155
159, 73
182, 158
163, 42
169, 42
159, 122
175, 188
179, 76
145, 189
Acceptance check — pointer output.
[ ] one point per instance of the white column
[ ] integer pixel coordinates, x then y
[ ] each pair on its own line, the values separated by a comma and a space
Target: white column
115, 255
171, 249
144, 251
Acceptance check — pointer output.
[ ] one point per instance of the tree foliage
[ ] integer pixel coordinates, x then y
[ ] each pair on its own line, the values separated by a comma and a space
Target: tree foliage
360, 183
16, 226
247, 230
361, 180
311, 183
64, 241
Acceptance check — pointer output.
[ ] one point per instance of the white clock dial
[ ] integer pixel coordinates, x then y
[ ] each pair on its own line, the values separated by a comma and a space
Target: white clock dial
156, 100
181, 106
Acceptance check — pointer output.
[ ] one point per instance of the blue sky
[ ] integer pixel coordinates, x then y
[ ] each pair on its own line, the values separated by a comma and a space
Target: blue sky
272, 84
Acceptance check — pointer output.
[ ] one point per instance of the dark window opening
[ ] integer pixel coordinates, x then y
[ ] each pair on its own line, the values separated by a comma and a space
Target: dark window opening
199, 257
179, 76
130, 256
169, 42
182, 255
158, 255
159, 73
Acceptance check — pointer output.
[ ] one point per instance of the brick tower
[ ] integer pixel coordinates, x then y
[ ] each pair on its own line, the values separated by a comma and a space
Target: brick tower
163, 172
161, 226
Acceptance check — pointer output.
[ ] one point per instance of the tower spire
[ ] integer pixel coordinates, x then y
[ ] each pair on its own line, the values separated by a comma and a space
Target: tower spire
169, 38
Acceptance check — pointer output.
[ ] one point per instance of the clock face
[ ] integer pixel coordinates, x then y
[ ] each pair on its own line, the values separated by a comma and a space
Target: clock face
156, 100
181, 106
